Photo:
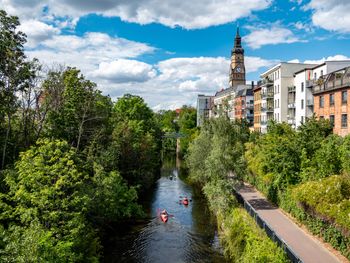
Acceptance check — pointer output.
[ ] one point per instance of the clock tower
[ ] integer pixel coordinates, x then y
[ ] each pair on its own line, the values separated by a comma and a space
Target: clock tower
237, 69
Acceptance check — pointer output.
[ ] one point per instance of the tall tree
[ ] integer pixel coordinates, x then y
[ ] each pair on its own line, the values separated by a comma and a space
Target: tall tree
15, 74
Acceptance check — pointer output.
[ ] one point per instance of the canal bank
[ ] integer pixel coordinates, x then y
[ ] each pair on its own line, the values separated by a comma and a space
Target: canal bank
190, 235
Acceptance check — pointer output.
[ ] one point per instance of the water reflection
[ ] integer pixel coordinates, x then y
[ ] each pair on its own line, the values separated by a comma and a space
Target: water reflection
188, 236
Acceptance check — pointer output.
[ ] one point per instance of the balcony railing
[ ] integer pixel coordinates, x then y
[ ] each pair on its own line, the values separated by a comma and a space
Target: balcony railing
309, 83
291, 121
331, 85
291, 89
291, 105
267, 108
310, 102
266, 94
265, 81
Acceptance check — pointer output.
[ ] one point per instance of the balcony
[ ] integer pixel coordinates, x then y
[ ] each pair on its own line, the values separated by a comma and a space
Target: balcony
309, 83
267, 108
291, 89
267, 95
266, 82
291, 105
310, 103
291, 121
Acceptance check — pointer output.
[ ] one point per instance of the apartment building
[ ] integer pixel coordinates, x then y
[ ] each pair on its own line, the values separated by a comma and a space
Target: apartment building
203, 108
274, 92
301, 94
257, 107
244, 105
331, 97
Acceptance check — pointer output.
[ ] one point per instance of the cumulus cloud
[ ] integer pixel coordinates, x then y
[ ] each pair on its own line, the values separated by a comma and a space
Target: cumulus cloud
331, 14
37, 31
124, 70
273, 35
88, 51
187, 14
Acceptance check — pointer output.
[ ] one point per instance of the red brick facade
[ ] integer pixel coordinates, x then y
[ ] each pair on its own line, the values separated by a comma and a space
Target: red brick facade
339, 108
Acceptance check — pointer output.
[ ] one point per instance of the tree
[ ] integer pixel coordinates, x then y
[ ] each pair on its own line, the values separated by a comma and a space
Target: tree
76, 109
15, 74
49, 188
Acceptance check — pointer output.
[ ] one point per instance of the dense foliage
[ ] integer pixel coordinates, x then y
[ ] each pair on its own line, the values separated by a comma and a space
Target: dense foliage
72, 161
217, 151
306, 173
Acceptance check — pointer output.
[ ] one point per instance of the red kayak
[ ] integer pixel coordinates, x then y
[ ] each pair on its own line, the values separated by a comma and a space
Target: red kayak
185, 201
164, 217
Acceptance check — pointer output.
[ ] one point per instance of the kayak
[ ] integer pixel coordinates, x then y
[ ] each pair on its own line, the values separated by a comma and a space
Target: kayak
185, 201
164, 217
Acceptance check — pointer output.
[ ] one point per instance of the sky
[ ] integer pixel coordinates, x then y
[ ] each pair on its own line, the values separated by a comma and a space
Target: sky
169, 51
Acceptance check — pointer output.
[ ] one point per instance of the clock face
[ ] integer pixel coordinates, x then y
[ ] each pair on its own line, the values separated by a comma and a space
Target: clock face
238, 69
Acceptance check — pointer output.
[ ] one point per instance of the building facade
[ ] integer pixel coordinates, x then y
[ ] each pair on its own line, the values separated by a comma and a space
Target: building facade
257, 107
244, 105
276, 88
331, 97
304, 80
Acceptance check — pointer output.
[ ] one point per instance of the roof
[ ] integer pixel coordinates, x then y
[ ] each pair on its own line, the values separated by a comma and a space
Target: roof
245, 92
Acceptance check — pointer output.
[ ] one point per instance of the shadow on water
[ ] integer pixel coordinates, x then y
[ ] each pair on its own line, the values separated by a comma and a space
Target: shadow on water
188, 236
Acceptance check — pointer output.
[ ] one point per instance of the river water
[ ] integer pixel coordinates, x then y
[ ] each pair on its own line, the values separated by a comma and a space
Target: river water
189, 235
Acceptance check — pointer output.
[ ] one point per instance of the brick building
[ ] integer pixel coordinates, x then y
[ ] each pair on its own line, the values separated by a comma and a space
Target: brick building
331, 99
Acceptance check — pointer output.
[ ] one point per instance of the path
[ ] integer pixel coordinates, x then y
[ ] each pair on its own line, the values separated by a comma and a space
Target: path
308, 248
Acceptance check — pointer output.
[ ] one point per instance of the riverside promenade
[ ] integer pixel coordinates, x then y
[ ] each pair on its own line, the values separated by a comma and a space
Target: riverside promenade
305, 246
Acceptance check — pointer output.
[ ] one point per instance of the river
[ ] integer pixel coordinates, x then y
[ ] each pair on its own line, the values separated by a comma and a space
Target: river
189, 235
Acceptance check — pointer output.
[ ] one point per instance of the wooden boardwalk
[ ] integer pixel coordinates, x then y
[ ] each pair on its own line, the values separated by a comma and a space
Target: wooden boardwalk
307, 247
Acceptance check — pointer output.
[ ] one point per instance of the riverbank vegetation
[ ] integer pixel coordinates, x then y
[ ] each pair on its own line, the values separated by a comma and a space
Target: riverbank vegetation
72, 162
305, 172
218, 150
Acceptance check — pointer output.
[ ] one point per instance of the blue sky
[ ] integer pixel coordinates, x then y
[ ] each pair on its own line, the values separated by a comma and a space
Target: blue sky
168, 51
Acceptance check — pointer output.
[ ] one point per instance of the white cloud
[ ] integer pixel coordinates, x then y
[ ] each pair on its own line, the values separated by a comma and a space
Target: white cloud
124, 70
304, 26
331, 14
37, 31
330, 58
179, 80
187, 14
88, 51
273, 35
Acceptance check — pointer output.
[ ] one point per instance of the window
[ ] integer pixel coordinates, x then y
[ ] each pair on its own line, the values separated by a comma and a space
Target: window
278, 88
344, 97
331, 99
344, 120
321, 73
302, 87
315, 75
321, 117
302, 119
302, 104
331, 119
278, 103
321, 101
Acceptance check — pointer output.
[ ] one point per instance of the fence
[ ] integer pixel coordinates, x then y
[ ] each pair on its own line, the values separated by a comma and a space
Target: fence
269, 231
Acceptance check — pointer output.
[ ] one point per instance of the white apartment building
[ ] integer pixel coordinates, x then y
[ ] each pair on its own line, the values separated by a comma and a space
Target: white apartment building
304, 80
276, 81
203, 108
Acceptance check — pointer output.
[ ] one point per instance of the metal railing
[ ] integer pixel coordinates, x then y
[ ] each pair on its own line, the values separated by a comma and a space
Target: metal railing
293, 257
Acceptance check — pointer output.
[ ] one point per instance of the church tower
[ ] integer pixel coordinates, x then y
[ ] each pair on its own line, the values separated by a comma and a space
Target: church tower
237, 69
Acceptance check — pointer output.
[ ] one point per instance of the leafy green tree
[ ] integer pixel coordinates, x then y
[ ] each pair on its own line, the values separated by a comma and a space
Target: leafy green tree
311, 133
49, 188
136, 141
187, 125
15, 75
77, 111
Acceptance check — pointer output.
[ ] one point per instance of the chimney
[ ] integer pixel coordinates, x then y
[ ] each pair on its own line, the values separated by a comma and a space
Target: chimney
252, 84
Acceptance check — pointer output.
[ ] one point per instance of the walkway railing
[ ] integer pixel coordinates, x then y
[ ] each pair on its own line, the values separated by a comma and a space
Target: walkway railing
293, 257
